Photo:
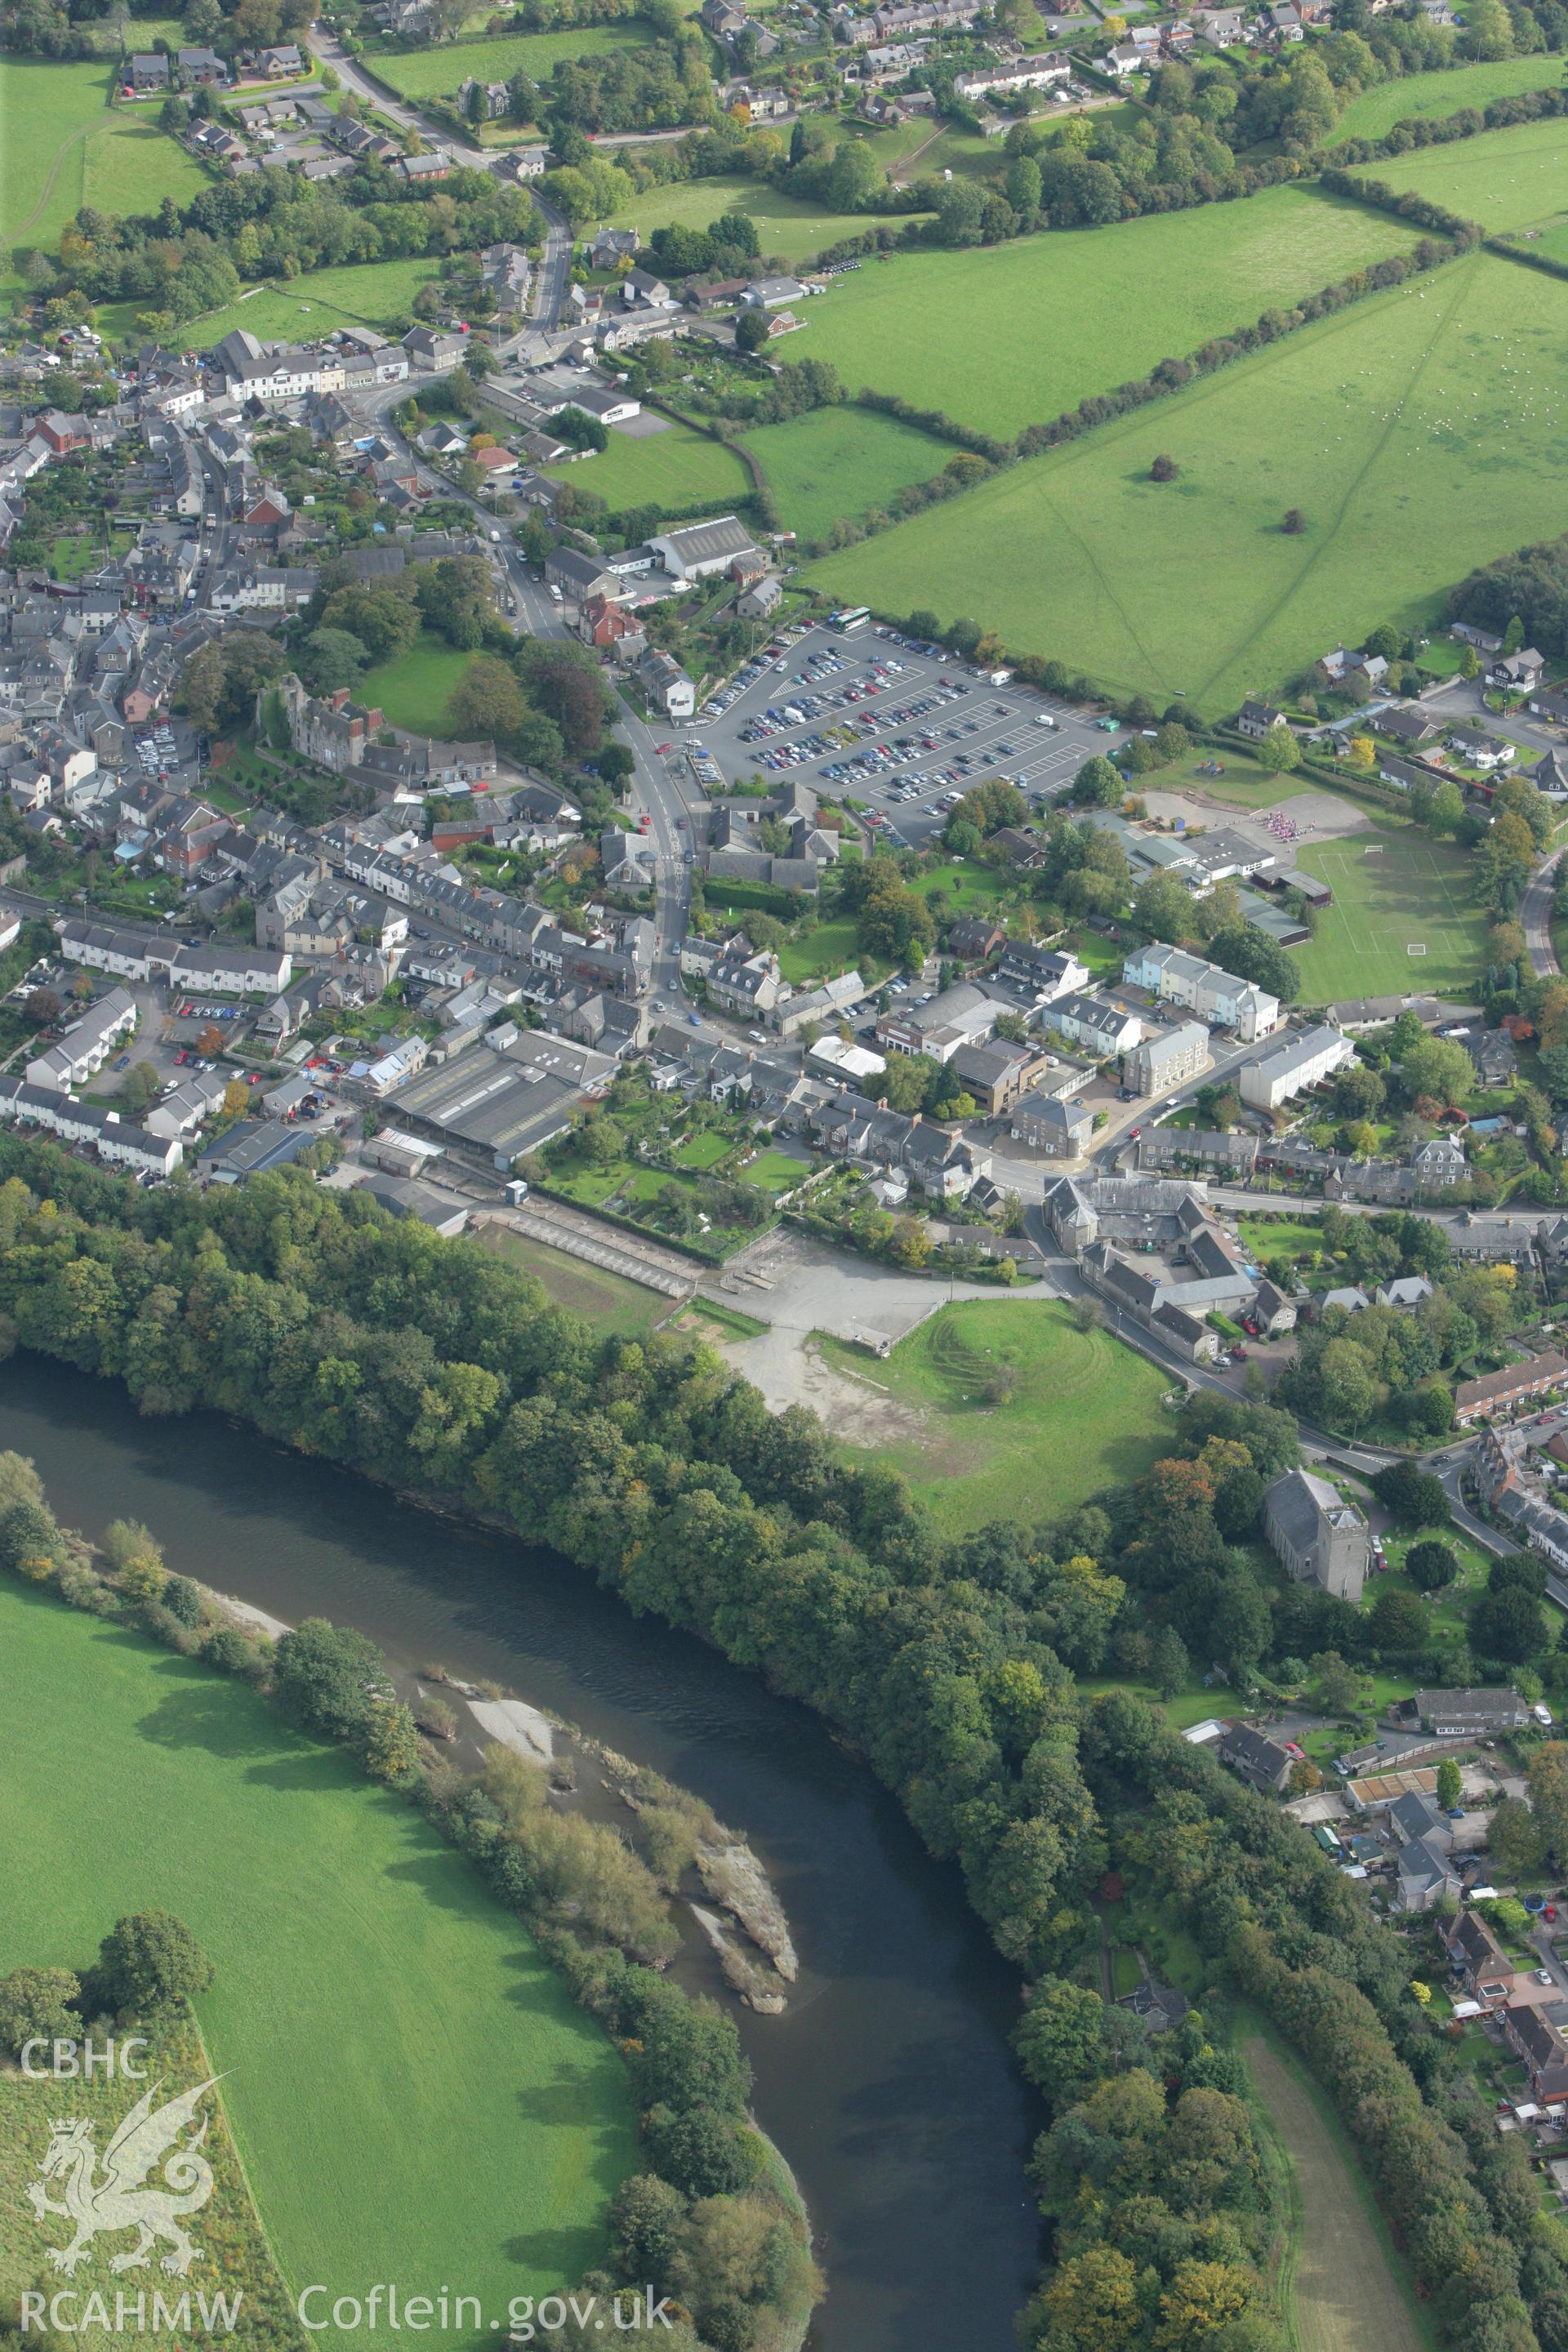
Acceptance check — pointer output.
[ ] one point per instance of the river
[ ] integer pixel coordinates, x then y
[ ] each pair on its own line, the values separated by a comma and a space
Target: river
885, 2084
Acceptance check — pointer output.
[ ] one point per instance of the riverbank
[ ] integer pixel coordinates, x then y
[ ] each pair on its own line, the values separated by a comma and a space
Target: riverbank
888, 2080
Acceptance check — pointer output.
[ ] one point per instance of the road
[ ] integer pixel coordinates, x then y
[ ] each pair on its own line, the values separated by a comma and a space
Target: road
1535, 915
550, 289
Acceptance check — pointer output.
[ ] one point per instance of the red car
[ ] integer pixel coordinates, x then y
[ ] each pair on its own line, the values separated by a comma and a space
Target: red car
662, 748
1549, 1912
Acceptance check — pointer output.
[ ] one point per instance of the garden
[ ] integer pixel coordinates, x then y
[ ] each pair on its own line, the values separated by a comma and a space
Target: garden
697, 1176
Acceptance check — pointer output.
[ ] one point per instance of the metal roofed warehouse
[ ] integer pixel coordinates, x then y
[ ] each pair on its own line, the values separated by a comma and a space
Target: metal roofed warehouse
489, 1103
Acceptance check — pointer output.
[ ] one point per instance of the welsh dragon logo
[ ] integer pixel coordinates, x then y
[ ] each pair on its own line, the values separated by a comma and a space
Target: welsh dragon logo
116, 2199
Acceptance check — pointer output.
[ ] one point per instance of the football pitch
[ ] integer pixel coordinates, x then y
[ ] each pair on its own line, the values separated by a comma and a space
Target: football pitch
1402, 918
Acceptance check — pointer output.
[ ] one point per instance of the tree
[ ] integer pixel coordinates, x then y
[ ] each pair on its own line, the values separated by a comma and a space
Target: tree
923, 625
140, 1089
1164, 469
331, 659
1546, 1777
1398, 1622
42, 1007
1509, 1625
1430, 1565
150, 1960
391, 1742
1099, 783
1417, 1497
1450, 1784
752, 329
1295, 522
1335, 1683
487, 705
1059, 2040
1514, 1837
646, 2215
37, 2004
1251, 954
1280, 750
1439, 1068
329, 1676
1169, 1664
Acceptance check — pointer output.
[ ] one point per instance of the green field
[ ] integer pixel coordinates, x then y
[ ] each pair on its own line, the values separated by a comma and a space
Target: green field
1083, 1412
1343, 2284
440, 72
370, 293
616, 1307
836, 463
412, 2092
1420, 433
677, 468
1017, 333
1504, 179
63, 148
791, 229
1432, 96
414, 692
1410, 892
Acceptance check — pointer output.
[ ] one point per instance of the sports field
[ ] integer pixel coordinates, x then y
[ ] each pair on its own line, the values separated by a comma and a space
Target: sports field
1432, 96
439, 72
1504, 179
414, 692
1343, 2285
370, 293
1080, 1410
1015, 334
836, 463
371, 1996
1419, 432
791, 229
63, 148
1403, 917
673, 469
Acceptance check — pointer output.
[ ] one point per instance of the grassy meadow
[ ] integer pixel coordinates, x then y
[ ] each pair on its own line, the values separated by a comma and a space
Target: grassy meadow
834, 462
63, 147
440, 71
371, 1996
1015, 334
1082, 1410
1420, 433
1431, 97
1504, 179
1395, 891
674, 468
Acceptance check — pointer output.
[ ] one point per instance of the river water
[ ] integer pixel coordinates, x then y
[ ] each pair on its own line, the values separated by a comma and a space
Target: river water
885, 2084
